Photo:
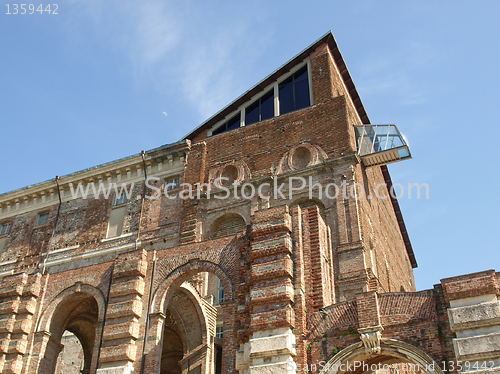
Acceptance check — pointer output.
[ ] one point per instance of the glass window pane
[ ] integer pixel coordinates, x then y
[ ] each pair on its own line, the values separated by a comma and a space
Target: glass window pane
219, 130
286, 98
403, 153
301, 74
4, 229
252, 113
233, 123
267, 106
287, 81
301, 94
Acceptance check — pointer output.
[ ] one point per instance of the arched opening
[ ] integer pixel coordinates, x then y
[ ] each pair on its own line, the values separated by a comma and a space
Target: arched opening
72, 330
71, 360
197, 294
394, 357
172, 347
193, 328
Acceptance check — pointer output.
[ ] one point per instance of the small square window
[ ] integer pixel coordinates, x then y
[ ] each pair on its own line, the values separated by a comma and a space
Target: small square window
121, 199
42, 219
4, 228
171, 184
219, 332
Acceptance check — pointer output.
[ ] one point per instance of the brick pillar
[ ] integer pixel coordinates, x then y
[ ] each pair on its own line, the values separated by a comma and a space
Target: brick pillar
350, 254
369, 321
272, 345
122, 328
18, 298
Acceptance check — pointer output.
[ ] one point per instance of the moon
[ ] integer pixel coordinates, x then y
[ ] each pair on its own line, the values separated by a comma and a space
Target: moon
165, 113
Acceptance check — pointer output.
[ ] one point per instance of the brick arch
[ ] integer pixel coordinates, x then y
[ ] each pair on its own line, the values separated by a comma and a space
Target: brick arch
192, 295
391, 351
184, 309
48, 313
78, 309
167, 287
227, 224
306, 201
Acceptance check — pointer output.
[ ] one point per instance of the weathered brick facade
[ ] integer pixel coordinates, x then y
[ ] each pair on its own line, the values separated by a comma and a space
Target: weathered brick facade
210, 281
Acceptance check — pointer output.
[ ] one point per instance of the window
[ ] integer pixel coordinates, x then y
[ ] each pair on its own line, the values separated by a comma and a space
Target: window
294, 92
42, 219
219, 332
121, 199
171, 184
232, 124
4, 228
116, 218
220, 292
261, 109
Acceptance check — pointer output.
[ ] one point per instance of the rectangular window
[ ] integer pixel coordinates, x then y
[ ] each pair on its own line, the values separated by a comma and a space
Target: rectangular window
2, 244
232, 124
116, 218
219, 332
4, 228
220, 292
121, 199
294, 92
261, 109
171, 184
42, 219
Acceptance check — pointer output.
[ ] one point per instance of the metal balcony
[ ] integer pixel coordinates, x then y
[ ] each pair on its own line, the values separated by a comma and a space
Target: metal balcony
381, 144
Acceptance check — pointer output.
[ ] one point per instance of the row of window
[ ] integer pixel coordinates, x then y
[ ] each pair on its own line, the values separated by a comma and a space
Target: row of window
115, 227
293, 94
41, 219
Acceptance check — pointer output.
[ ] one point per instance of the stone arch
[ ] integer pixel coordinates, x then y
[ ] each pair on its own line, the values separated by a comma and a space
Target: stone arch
164, 304
307, 201
391, 352
227, 224
78, 309
184, 272
48, 313
184, 329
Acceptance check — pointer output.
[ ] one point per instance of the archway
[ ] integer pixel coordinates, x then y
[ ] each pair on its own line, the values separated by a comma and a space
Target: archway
393, 354
189, 308
77, 312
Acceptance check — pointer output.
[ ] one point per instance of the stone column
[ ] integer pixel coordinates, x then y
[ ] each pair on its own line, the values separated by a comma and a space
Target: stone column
272, 345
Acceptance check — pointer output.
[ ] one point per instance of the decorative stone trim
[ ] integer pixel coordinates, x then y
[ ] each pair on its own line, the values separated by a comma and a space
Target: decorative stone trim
371, 337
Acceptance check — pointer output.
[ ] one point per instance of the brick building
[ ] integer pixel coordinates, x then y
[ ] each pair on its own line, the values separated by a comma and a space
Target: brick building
252, 245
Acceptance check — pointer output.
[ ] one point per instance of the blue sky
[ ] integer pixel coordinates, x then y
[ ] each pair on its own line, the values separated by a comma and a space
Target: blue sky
90, 85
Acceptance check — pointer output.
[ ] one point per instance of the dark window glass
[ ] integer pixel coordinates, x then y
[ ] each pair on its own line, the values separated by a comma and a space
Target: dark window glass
4, 228
252, 113
301, 74
301, 94
261, 109
294, 92
219, 130
233, 123
286, 98
42, 219
267, 106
